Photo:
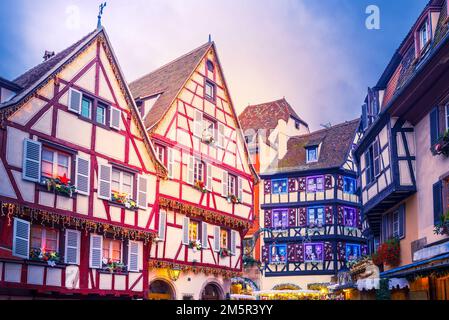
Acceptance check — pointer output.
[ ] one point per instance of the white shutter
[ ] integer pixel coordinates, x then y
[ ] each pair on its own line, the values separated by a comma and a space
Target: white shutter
198, 124
32, 151
170, 162
216, 238
115, 118
233, 241
96, 251
224, 184
185, 230
220, 139
104, 181
190, 170
240, 189
21, 239
133, 253
204, 237
72, 247
209, 177
162, 224
82, 176
142, 184
75, 98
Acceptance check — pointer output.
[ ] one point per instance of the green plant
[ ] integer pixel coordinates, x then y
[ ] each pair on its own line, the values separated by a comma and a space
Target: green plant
442, 227
383, 293
442, 146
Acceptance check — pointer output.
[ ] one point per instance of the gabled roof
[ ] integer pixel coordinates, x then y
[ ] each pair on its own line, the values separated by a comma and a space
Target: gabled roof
167, 81
266, 115
34, 78
335, 144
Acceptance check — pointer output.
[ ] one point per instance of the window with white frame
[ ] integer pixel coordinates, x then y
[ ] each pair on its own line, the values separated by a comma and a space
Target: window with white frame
160, 153
424, 37
209, 90
198, 170
315, 217
112, 250
312, 154
86, 107
232, 185
44, 239
55, 163
315, 184
122, 182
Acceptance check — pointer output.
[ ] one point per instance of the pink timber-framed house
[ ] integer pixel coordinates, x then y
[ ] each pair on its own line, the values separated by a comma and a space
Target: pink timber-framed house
78, 179
206, 204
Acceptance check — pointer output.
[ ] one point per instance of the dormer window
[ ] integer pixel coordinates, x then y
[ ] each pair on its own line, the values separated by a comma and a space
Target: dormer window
424, 35
312, 154
209, 91
210, 66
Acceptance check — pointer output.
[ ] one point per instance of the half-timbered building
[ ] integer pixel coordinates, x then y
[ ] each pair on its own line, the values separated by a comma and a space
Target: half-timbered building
402, 157
78, 176
206, 204
310, 209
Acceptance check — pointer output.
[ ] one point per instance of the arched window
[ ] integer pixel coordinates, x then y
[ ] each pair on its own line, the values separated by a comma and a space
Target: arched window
210, 66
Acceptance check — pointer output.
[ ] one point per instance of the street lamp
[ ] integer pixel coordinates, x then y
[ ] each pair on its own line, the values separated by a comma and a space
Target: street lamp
174, 272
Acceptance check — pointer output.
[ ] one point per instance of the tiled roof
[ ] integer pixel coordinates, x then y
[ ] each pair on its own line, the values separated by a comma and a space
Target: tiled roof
336, 143
266, 115
167, 81
408, 64
34, 74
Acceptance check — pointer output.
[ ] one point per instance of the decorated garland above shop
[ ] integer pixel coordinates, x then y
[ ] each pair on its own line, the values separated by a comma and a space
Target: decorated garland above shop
206, 214
52, 219
227, 274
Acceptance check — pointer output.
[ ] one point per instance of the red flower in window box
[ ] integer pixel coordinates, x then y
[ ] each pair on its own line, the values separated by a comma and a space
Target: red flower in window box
388, 253
64, 180
201, 186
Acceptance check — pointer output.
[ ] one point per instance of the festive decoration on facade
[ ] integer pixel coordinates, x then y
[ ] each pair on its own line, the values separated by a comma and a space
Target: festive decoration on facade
60, 185
225, 273
233, 199
200, 186
124, 200
114, 266
11, 210
225, 252
195, 245
442, 226
51, 257
208, 215
388, 253
442, 146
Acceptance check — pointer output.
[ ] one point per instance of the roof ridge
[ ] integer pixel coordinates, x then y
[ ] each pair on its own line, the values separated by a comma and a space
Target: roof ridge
173, 61
348, 122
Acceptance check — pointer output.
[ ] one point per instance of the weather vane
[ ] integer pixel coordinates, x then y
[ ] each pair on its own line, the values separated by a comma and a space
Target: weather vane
102, 6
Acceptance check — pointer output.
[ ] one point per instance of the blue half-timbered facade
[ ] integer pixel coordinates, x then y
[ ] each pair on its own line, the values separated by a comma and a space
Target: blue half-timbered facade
310, 206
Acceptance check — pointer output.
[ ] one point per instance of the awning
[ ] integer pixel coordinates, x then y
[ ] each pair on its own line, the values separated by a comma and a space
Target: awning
417, 267
242, 297
304, 292
374, 284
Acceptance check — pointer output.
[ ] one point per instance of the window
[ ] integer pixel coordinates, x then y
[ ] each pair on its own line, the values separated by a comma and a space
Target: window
160, 153
393, 224
315, 217
232, 185
312, 154
350, 217
315, 184
369, 163
423, 35
55, 163
101, 114
313, 252
353, 252
86, 107
396, 223
278, 253
224, 235
446, 108
209, 90
112, 250
376, 157
349, 185
198, 170
249, 139
44, 239
194, 231
210, 66
122, 182
434, 126
210, 127
280, 219
279, 186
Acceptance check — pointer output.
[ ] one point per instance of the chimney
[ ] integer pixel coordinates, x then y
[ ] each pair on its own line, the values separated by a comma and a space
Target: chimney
48, 55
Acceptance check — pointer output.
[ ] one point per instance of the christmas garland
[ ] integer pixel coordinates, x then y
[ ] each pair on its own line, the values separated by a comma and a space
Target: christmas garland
206, 214
227, 274
12, 210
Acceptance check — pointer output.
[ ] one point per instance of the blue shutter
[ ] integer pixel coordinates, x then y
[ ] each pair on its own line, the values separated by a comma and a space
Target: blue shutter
402, 222
437, 201
434, 126
367, 167
364, 117
384, 228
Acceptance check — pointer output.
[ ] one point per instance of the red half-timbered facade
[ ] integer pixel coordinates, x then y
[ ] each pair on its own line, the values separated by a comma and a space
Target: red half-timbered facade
78, 178
206, 205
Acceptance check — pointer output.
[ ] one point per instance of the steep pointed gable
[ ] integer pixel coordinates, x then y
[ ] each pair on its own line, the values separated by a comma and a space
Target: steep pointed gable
167, 81
45, 72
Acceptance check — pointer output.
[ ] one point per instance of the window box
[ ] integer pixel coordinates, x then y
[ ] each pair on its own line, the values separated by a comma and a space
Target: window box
50, 257
114, 267
388, 253
123, 199
59, 185
233, 199
225, 252
207, 138
442, 227
200, 186
195, 245
442, 146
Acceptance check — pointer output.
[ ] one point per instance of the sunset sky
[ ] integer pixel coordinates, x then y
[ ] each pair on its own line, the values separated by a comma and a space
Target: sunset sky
318, 54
